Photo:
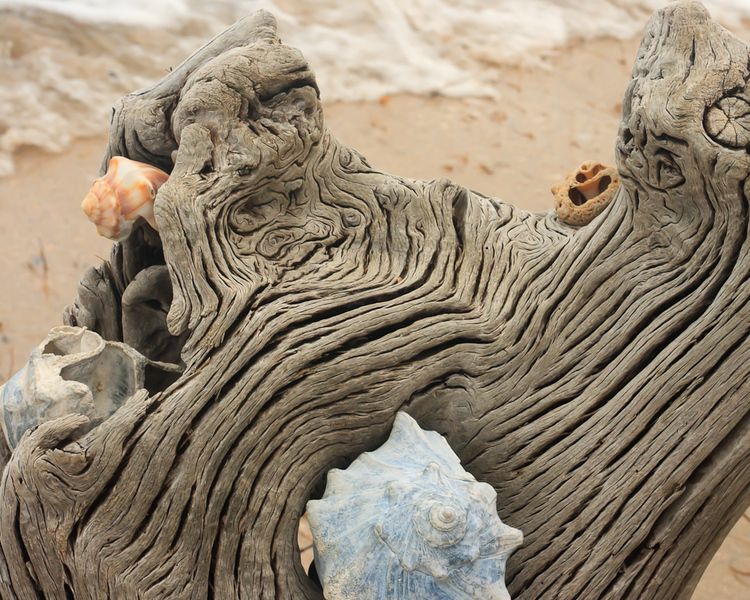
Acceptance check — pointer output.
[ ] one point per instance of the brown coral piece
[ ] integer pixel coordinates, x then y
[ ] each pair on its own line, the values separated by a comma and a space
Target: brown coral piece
585, 193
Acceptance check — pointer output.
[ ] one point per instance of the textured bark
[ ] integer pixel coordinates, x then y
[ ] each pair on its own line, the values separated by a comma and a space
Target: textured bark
595, 376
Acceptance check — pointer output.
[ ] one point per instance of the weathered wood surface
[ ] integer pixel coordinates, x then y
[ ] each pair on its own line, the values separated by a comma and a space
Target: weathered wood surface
597, 377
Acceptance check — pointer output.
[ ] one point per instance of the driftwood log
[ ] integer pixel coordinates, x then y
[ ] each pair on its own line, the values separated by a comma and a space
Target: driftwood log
596, 376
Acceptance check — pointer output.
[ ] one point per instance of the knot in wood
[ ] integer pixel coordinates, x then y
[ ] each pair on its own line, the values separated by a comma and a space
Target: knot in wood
352, 218
728, 122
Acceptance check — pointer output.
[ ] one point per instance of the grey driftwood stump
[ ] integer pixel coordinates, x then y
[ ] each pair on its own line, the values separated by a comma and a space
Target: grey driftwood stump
597, 377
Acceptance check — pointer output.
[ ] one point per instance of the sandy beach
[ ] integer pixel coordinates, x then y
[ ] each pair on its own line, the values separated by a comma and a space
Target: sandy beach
542, 124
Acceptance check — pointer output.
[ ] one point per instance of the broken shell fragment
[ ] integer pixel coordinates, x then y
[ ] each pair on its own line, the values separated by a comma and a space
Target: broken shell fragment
585, 193
125, 194
73, 371
407, 522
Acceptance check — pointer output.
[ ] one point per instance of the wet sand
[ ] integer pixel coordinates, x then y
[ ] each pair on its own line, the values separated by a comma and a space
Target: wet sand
542, 125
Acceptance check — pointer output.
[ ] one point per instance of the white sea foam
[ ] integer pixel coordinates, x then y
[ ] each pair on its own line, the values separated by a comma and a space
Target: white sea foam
127, 12
64, 62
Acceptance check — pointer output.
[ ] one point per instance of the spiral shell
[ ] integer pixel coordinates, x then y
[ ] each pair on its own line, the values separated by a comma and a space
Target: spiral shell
125, 194
407, 522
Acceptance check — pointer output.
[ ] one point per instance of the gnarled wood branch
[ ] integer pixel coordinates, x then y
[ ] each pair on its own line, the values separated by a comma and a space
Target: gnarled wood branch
595, 376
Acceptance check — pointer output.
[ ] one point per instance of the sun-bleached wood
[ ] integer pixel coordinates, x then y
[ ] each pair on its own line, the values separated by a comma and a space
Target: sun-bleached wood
596, 377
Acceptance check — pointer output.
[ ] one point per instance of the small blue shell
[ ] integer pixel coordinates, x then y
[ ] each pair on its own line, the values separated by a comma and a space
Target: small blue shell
407, 522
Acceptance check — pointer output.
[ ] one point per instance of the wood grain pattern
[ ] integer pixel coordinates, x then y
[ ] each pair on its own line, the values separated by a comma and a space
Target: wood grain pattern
595, 376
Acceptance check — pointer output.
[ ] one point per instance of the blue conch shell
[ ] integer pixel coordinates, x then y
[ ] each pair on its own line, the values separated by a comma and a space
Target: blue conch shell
407, 522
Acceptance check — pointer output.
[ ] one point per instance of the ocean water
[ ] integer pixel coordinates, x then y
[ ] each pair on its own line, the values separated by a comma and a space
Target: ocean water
63, 63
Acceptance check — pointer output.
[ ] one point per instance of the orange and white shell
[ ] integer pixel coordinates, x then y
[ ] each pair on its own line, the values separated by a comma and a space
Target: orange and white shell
125, 194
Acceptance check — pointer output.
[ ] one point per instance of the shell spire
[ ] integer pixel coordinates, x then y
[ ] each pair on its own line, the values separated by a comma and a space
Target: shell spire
407, 522
122, 196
